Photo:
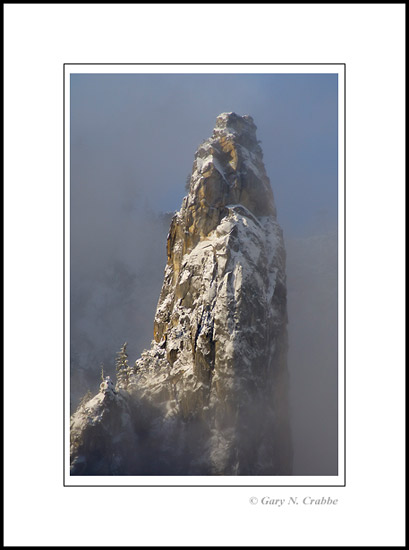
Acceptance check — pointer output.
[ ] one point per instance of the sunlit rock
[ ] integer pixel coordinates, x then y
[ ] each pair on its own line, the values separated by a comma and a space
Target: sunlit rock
210, 397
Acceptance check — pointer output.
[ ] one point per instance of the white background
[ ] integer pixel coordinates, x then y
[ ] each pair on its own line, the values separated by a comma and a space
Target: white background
38, 40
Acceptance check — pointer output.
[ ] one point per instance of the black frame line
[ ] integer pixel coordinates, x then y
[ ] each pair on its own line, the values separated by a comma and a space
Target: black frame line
63, 272
204, 64
64, 263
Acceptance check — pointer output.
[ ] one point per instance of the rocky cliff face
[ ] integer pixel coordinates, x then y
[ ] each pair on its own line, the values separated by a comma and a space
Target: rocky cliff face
210, 395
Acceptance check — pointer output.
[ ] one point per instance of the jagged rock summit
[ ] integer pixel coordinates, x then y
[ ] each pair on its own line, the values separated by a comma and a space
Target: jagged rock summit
210, 397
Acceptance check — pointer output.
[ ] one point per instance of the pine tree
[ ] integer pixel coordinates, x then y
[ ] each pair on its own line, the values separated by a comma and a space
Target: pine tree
102, 372
122, 366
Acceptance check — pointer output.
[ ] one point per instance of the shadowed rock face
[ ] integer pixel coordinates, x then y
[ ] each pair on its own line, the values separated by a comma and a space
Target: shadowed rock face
210, 395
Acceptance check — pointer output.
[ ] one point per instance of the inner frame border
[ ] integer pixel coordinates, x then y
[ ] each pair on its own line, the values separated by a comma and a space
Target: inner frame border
65, 484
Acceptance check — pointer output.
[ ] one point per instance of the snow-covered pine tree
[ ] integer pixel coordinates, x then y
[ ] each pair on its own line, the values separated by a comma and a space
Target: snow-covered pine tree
136, 368
121, 364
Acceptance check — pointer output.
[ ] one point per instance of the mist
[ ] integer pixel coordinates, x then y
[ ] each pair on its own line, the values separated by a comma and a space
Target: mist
133, 139
312, 273
114, 294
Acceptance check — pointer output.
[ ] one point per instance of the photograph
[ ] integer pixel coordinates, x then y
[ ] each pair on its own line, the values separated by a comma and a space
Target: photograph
201, 206
203, 273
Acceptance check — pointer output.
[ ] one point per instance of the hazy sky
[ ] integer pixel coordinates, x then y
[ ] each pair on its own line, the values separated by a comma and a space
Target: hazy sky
133, 139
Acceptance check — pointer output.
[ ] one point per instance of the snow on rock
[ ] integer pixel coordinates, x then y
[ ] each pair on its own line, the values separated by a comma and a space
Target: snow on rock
210, 395
101, 430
